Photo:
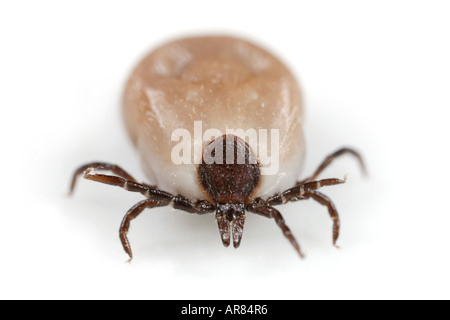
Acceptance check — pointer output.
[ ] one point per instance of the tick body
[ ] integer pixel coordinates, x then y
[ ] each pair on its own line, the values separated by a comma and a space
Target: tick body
203, 87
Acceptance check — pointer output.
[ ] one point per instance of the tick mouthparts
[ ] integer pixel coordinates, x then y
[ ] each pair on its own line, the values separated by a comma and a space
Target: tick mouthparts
238, 229
230, 218
224, 229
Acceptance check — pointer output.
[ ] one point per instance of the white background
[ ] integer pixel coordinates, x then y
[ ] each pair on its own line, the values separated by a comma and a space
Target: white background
376, 76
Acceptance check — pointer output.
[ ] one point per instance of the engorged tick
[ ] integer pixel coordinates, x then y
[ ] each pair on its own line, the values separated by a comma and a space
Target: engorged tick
225, 83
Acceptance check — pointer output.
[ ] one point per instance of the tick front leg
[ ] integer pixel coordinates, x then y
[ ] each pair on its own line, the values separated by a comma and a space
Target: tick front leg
121, 180
328, 160
99, 166
298, 192
133, 213
271, 212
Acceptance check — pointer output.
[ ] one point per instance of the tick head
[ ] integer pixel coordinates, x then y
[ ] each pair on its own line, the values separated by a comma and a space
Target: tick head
230, 220
229, 175
229, 172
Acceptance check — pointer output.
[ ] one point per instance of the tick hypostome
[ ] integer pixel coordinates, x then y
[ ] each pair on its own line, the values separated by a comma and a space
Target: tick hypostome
222, 83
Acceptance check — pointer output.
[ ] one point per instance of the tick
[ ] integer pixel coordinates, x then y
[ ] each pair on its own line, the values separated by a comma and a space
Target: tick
238, 93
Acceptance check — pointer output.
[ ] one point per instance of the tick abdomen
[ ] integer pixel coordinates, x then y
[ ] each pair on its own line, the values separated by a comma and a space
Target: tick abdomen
224, 83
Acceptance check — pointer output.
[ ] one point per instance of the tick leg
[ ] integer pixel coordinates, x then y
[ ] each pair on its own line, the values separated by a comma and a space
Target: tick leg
181, 203
324, 200
128, 185
199, 207
120, 181
132, 214
298, 192
154, 197
271, 212
100, 166
328, 160
306, 191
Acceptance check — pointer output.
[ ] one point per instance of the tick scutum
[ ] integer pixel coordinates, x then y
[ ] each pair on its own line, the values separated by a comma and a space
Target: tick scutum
234, 174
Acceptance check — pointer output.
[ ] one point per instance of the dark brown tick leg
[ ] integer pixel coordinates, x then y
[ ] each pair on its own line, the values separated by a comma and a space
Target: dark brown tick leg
307, 191
328, 160
132, 214
299, 192
155, 197
200, 207
178, 202
99, 166
324, 200
121, 181
270, 212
